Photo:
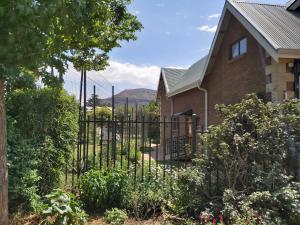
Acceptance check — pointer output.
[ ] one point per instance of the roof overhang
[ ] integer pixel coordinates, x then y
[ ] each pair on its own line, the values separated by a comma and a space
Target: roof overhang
229, 10
270, 47
183, 89
293, 5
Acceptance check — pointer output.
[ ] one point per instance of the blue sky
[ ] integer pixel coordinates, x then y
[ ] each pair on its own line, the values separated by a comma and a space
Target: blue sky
176, 33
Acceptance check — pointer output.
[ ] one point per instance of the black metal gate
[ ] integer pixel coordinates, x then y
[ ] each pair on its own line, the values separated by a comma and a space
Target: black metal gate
131, 139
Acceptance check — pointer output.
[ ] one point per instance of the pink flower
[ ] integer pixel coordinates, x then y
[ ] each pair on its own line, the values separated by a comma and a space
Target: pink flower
214, 221
221, 218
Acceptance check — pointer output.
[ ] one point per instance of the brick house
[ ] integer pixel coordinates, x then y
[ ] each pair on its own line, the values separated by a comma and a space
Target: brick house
256, 49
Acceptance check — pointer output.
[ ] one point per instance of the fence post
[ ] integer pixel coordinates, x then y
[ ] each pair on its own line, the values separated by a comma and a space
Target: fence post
194, 134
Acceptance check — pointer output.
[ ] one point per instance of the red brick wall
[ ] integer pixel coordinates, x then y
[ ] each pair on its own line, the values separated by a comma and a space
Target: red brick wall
192, 99
230, 80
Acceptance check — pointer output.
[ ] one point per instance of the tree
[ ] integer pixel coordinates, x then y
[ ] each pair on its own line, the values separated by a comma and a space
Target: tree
90, 101
36, 35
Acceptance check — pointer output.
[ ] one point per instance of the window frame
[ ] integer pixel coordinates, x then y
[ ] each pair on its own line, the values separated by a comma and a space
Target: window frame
238, 44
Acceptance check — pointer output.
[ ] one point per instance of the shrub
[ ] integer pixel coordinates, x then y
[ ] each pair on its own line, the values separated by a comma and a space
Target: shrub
279, 207
189, 196
146, 199
63, 209
103, 190
115, 216
42, 132
23, 173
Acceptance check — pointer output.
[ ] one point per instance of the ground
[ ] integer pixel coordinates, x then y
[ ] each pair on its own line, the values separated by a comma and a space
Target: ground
93, 220
99, 221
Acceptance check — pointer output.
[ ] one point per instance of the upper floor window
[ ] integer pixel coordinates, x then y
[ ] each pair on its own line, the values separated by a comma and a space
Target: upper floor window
239, 48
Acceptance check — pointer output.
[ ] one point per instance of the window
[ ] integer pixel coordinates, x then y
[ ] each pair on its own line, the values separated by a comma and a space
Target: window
269, 79
239, 48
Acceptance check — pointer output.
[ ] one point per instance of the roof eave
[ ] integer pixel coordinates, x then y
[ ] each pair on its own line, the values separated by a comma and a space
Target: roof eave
183, 89
289, 53
293, 5
271, 48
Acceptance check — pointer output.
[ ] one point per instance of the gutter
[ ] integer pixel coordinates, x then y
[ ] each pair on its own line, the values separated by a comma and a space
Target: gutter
206, 105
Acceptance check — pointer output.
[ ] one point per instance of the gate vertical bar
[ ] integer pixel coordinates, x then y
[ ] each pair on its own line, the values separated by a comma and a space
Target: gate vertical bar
113, 138
84, 118
122, 140
171, 146
107, 144
101, 142
129, 142
79, 127
194, 137
94, 128
164, 147
87, 144
136, 144
143, 145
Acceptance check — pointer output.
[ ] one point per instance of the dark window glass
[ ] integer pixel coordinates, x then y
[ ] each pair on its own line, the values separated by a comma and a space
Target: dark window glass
239, 48
235, 50
243, 46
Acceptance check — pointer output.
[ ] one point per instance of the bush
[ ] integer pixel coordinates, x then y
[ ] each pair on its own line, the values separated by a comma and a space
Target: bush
42, 132
146, 199
115, 216
23, 173
244, 167
279, 207
103, 190
189, 197
63, 209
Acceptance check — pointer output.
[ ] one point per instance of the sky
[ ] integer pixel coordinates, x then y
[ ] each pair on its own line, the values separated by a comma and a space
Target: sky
176, 33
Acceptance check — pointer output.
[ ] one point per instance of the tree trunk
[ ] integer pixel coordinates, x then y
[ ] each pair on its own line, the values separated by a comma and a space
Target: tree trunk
3, 160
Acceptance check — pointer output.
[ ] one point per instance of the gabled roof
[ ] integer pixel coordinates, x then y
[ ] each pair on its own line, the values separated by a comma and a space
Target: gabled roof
190, 77
293, 5
171, 77
275, 27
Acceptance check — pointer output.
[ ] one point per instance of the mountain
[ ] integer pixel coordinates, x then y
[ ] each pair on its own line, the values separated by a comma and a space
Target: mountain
140, 96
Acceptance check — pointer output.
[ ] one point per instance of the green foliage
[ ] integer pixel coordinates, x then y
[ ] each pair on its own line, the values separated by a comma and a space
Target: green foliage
23, 173
279, 207
152, 114
189, 195
50, 167
147, 199
103, 190
250, 144
244, 167
42, 130
63, 209
115, 216
101, 113
45, 112
64, 32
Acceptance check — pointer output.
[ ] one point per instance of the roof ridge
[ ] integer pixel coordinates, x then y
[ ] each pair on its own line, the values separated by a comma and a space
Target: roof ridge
257, 3
173, 68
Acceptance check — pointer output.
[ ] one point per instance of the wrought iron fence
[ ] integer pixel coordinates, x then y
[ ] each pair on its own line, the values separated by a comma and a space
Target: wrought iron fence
131, 140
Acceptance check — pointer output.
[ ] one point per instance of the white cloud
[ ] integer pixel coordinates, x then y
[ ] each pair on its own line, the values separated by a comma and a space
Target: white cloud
122, 75
208, 28
214, 16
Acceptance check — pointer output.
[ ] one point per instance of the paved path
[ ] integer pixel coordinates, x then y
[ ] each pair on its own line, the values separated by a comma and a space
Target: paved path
160, 153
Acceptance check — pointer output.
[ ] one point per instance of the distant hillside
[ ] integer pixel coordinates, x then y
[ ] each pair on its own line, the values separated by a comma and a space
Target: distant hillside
141, 96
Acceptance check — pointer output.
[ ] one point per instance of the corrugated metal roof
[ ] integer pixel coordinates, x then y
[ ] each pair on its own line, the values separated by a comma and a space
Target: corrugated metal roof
280, 27
171, 77
293, 4
191, 76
